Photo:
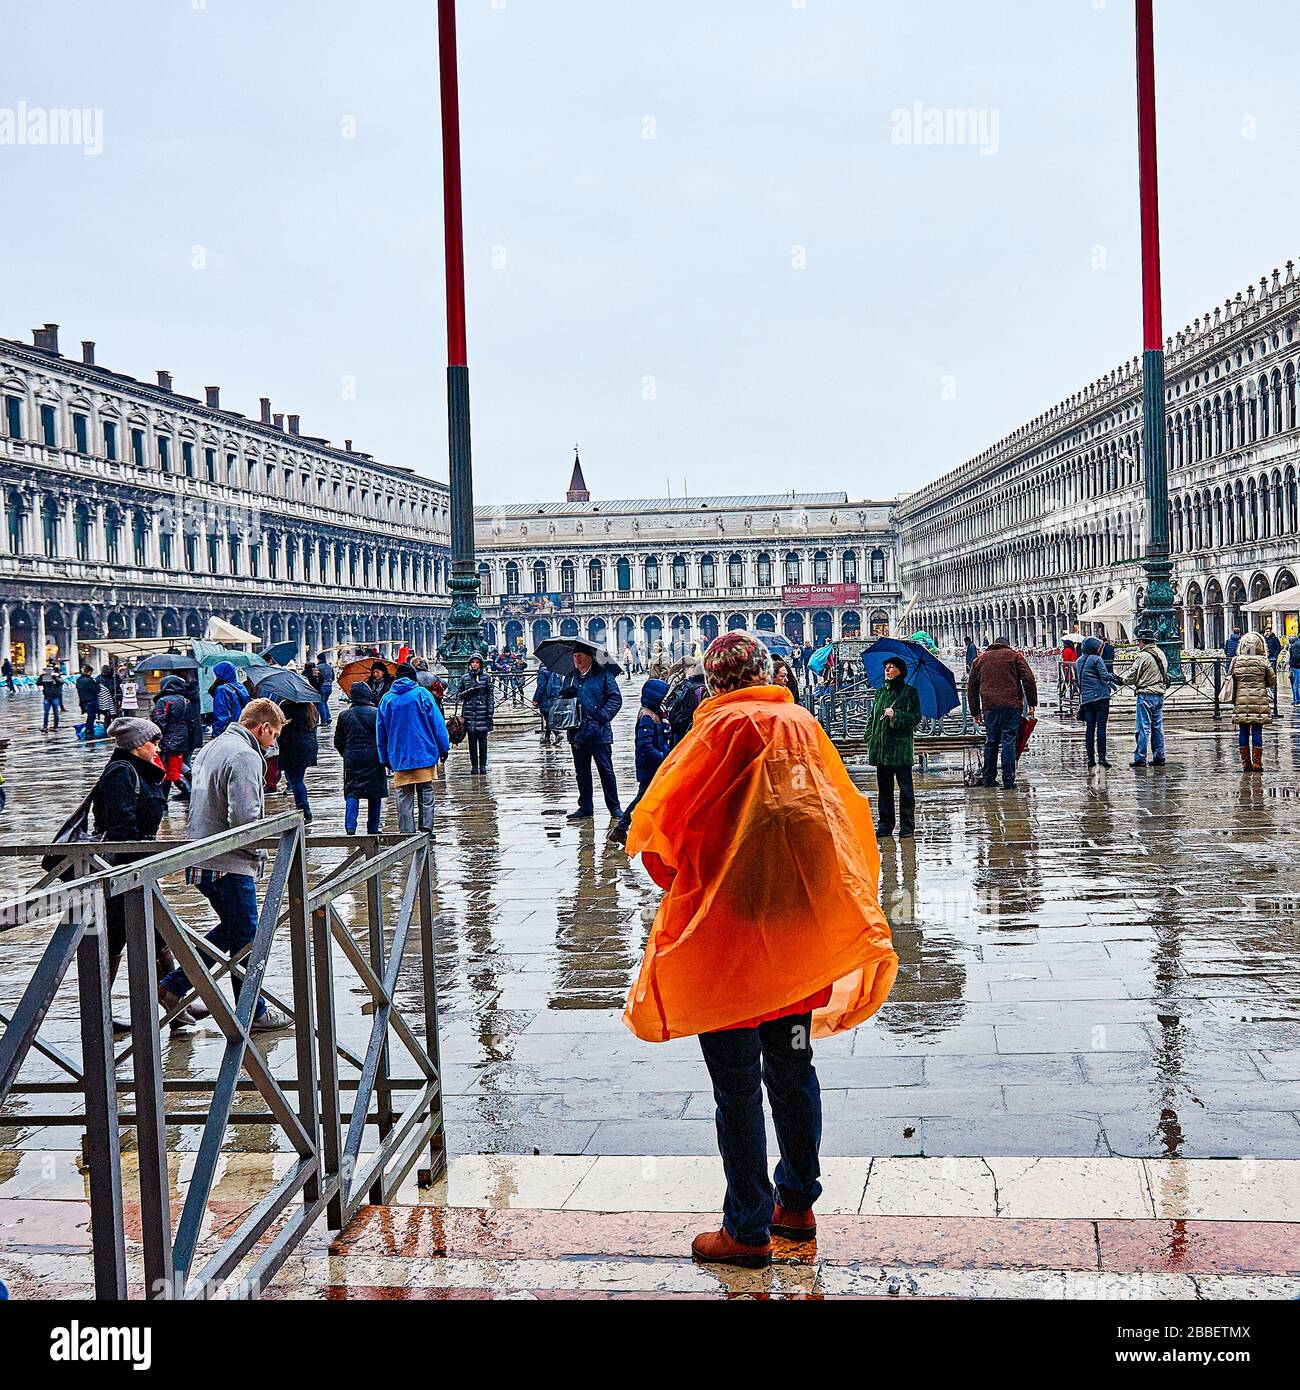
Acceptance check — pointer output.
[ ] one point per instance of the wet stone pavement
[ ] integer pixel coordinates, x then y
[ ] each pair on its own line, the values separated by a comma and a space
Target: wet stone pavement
1092, 965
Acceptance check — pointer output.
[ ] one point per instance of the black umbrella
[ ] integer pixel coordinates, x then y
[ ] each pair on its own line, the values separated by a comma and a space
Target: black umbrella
166, 661
281, 654
276, 683
556, 654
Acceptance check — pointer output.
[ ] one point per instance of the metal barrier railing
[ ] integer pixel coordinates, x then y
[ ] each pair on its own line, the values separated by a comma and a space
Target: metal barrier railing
331, 1176
845, 713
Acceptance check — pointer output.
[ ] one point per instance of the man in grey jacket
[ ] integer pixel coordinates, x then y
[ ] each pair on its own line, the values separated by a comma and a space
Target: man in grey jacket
228, 779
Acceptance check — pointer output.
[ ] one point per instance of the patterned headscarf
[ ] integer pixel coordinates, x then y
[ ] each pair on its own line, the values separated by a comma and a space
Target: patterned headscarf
735, 660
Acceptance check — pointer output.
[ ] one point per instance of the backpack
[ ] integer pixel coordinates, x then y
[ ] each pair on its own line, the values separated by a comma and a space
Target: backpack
679, 708
76, 829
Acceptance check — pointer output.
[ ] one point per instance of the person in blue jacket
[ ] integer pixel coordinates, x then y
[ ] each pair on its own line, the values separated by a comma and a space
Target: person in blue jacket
412, 740
653, 740
228, 697
1096, 682
545, 694
597, 692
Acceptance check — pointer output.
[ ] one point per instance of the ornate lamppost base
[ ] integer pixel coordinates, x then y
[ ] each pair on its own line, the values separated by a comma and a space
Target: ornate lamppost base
464, 637
1159, 615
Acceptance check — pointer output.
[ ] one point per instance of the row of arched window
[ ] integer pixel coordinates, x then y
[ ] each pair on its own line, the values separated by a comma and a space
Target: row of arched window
97, 432
118, 534
1252, 509
1233, 418
708, 571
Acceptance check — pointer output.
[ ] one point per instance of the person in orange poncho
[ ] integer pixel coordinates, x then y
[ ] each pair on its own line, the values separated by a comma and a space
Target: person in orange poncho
769, 934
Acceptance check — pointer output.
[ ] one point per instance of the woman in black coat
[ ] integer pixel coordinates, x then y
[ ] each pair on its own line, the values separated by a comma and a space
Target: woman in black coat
128, 804
364, 778
477, 703
299, 750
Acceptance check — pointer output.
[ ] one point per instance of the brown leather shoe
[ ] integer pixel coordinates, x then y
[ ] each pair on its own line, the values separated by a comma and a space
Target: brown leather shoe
1257, 759
793, 1225
1245, 759
718, 1248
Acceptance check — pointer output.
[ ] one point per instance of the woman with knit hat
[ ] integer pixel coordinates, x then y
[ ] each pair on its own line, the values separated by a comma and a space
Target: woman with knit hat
127, 804
769, 933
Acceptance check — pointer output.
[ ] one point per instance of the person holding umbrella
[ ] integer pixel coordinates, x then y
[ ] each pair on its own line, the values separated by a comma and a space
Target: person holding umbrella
895, 713
591, 683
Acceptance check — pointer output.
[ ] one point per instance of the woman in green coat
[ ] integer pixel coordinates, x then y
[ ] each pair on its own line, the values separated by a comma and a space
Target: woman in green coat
896, 712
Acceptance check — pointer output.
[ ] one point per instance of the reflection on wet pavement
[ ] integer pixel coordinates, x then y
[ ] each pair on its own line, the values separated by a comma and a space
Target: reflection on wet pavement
1091, 964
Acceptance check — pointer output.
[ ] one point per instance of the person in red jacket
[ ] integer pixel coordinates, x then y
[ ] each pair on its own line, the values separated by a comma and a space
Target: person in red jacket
1001, 688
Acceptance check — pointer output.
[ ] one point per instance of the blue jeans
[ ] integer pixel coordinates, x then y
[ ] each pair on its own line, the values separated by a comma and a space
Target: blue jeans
1095, 714
234, 900
583, 757
1253, 733
1001, 729
1150, 722
352, 809
323, 706
740, 1060
51, 707
298, 786
1295, 685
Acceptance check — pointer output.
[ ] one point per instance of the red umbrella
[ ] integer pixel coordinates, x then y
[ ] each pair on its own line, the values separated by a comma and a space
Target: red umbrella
1027, 727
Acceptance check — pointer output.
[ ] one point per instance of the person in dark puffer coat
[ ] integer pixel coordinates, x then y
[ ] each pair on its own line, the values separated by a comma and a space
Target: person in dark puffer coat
171, 713
299, 750
653, 740
364, 778
477, 703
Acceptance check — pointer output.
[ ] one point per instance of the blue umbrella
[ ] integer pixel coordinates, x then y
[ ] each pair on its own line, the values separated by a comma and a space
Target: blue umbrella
933, 681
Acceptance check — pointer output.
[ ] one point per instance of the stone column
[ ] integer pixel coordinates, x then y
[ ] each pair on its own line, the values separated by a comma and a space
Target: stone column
6, 630
36, 658
71, 655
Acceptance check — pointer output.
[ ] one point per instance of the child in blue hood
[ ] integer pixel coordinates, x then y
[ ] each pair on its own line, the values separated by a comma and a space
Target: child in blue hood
653, 737
228, 697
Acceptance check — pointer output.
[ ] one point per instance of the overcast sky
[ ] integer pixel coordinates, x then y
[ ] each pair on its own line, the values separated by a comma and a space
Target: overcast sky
699, 243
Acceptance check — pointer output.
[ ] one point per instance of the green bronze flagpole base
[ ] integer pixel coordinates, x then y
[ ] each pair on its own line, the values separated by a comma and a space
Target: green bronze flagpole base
464, 637
1158, 612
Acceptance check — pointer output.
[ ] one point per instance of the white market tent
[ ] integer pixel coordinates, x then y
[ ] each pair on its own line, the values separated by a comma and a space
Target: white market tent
229, 635
1115, 613
1284, 601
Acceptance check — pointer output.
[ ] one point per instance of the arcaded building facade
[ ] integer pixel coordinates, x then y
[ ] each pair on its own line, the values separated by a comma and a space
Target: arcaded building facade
681, 570
1050, 522
129, 509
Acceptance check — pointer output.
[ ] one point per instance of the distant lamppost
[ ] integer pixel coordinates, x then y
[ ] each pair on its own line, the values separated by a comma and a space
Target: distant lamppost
1158, 598
464, 634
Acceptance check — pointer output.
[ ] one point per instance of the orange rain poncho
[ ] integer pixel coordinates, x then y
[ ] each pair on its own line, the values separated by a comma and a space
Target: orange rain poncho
768, 855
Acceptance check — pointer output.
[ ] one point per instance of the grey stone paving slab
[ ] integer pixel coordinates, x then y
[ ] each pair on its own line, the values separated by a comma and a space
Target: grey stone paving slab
1191, 1133
1085, 1032
1015, 1136
880, 1137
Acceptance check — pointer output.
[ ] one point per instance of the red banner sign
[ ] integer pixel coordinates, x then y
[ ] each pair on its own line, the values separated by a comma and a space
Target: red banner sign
820, 595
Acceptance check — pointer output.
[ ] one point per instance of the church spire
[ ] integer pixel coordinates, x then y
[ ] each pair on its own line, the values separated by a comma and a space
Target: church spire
577, 484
